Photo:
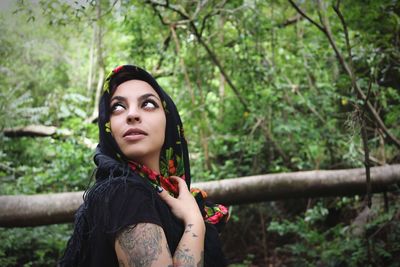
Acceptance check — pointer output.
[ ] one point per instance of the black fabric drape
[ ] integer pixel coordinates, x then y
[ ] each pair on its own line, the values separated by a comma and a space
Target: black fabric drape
115, 181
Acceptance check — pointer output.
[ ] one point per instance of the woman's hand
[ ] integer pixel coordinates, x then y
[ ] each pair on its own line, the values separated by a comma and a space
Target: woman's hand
190, 250
184, 207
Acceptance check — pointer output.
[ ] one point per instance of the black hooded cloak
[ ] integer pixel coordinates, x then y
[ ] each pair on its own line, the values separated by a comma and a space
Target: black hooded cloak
121, 197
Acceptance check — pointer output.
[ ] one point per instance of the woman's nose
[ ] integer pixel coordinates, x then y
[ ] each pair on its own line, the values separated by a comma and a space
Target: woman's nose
133, 116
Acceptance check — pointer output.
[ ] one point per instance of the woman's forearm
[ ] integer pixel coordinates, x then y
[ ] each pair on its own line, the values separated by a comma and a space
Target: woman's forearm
190, 250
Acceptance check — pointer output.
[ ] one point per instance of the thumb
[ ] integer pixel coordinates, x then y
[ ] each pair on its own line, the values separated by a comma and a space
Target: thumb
181, 182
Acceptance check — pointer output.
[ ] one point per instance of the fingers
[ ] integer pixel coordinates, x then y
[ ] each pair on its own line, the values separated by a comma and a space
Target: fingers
182, 189
164, 195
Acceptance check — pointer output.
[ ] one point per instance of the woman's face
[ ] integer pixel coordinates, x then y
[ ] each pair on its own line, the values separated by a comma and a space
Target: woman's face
138, 122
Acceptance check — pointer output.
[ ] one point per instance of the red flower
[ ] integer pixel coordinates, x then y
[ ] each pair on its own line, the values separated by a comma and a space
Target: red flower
171, 167
171, 163
214, 219
196, 191
117, 69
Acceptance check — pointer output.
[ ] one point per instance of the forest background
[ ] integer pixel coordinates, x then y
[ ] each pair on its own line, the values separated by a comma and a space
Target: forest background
262, 87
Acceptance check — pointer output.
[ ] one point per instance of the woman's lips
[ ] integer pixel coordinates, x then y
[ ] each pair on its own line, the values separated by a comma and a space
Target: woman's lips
134, 137
134, 134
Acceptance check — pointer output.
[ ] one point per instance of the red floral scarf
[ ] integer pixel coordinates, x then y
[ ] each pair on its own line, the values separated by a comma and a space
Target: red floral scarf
216, 214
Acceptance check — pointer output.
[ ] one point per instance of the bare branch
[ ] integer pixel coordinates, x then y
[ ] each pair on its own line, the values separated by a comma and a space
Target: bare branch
162, 56
366, 161
291, 21
154, 7
305, 16
219, 65
109, 10
182, 62
215, 11
170, 7
199, 7
346, 32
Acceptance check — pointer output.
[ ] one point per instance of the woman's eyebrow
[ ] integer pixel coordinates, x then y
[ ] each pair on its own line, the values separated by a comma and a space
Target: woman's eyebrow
141, 98
145, 96
117, 97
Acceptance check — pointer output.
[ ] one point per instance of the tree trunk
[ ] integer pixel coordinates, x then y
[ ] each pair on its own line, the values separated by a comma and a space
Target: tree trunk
100, 62
34, 210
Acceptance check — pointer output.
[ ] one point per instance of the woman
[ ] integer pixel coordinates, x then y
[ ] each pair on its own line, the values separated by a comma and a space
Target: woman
140, 211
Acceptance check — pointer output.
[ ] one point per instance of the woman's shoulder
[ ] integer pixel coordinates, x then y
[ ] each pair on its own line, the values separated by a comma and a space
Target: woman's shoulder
119, 202
118, 189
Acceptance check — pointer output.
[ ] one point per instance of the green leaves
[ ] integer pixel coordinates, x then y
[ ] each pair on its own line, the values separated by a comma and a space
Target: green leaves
300, 112
336, 245
45, 165
39, 246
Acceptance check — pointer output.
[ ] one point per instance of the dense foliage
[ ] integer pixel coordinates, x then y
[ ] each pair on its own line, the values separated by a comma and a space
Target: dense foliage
260, 90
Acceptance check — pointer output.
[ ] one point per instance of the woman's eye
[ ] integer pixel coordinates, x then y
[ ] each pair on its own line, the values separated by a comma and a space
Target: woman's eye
117, 107
149, 104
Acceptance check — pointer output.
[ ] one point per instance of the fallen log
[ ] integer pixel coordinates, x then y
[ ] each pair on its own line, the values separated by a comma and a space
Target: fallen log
41, 209
45, 131
44, 209
31, 131
318, 183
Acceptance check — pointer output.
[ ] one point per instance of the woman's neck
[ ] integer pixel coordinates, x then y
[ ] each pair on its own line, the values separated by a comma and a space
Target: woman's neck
152, 163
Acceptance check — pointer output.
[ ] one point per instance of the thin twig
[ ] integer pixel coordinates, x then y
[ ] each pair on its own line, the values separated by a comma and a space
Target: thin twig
366, 149
162, 57
305, 16
215, 11
346, 32
366, 161
109, 10
170, 7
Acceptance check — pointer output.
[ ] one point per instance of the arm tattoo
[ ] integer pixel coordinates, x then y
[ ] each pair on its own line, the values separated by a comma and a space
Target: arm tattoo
189, 229
184, 258
141, 244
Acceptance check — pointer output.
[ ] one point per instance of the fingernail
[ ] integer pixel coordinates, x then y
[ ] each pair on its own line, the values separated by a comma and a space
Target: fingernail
159, 189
